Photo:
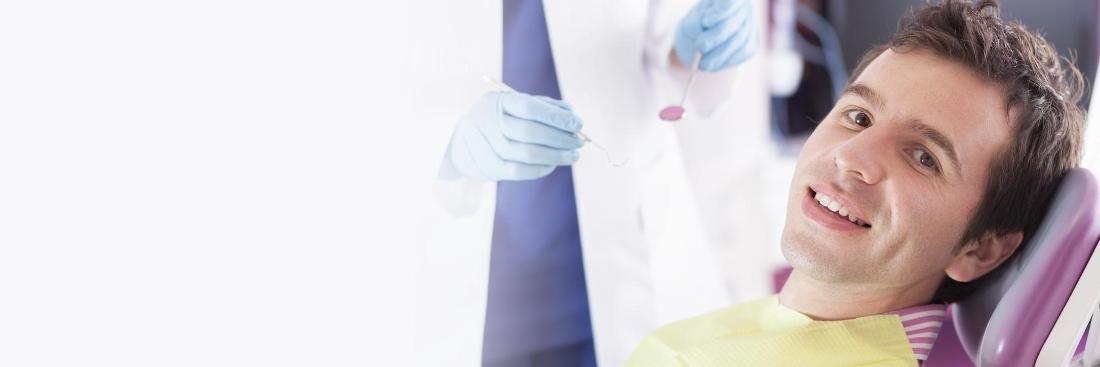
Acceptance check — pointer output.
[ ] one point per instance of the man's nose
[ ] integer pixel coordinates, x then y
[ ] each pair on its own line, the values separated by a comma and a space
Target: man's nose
862, 157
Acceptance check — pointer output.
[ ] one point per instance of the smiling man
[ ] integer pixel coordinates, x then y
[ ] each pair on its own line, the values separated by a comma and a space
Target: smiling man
935, 165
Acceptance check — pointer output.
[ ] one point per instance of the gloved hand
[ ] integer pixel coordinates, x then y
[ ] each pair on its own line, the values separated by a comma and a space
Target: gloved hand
514, 136
724, 31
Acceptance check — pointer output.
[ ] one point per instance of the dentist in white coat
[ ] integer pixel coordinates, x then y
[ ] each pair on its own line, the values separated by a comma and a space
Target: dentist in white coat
623, 248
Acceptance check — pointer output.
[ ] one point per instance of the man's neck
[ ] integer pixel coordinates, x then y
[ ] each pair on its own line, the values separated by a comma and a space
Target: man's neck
841, 301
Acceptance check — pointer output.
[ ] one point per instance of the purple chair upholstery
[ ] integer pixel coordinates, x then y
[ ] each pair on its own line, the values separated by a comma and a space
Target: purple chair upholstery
1034, 312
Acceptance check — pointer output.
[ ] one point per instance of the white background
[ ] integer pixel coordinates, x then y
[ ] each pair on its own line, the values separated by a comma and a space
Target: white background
208, 183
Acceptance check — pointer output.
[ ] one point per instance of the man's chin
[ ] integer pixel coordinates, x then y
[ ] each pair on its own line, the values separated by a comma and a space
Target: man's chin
824, 262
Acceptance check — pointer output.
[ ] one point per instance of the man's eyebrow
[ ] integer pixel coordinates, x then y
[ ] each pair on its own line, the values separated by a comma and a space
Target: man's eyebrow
928, 132
865, 92
939, 139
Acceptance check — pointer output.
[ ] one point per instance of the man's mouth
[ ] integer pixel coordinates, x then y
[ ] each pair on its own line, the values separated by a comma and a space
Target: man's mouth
834, 209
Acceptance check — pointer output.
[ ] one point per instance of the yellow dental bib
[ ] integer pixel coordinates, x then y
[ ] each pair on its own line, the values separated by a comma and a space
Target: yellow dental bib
765, 333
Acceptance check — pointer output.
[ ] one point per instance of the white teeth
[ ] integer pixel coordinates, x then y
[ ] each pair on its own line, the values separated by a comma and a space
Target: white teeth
835, 207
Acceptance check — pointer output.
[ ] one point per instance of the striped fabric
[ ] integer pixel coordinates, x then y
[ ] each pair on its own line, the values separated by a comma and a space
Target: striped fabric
922, 325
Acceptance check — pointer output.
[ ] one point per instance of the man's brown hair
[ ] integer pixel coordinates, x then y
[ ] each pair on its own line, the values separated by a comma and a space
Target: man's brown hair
1042, 90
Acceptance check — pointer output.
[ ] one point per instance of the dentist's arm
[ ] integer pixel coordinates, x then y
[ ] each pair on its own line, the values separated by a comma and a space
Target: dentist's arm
725, 142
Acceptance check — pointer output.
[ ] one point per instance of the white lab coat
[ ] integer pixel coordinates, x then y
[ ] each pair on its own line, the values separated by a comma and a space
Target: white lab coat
664, 237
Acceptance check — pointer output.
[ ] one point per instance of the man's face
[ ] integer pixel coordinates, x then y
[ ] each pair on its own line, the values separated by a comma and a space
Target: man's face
906, 151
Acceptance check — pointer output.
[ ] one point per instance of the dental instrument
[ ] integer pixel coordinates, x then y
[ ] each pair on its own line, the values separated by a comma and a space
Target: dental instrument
676, 112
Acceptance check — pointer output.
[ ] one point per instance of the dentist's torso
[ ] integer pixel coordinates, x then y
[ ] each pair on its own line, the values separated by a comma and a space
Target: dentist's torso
606, 54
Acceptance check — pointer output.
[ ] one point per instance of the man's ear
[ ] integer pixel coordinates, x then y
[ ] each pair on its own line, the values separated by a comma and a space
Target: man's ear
981, 256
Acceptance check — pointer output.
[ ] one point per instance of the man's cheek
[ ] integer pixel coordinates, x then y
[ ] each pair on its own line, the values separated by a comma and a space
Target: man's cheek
815, 155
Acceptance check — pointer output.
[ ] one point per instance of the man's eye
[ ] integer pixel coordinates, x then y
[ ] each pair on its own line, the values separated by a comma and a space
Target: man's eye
859, 118
925, 159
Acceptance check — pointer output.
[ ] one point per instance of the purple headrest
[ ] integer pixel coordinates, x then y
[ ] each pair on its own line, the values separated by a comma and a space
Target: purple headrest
1006, 322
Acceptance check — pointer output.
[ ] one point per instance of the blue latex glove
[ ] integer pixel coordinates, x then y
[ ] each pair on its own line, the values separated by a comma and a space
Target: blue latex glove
514, 136
724, 31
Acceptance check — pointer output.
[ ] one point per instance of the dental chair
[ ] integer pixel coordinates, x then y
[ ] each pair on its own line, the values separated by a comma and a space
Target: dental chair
1034, 312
